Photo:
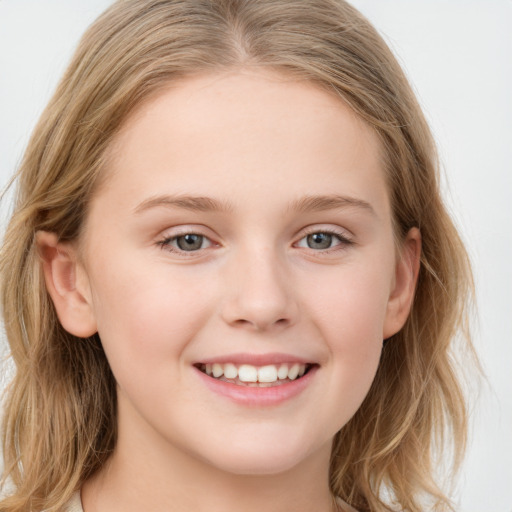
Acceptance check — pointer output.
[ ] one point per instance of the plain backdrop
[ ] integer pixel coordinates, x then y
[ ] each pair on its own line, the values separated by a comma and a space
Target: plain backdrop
458, 56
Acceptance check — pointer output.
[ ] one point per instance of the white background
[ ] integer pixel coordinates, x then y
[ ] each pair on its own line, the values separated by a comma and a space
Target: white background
458, 55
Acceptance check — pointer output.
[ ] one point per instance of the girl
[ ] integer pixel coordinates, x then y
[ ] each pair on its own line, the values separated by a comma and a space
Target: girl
229, 282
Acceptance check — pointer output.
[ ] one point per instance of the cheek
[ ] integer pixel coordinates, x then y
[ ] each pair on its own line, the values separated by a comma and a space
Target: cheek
352, 308
147, 320
350, 318
355, 334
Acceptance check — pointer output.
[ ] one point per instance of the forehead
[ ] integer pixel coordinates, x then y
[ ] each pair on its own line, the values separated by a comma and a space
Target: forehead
244, 131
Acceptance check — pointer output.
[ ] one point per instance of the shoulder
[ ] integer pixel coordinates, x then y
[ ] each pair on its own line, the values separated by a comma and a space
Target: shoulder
74, 504
344, 507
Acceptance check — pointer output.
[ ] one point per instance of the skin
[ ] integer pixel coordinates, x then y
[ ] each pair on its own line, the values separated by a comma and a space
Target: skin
255, 286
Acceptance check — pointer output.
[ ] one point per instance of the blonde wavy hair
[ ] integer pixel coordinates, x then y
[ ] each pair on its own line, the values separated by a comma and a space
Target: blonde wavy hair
60, 419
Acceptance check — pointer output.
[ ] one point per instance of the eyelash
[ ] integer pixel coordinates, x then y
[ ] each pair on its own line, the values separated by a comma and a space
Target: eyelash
343, 241
166, 243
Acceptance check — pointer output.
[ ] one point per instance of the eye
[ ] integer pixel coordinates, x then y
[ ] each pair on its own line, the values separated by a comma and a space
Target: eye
319, 241
323, 240
188, 242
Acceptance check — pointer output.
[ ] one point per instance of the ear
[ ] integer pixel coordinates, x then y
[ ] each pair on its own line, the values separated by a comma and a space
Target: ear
404, 284
67, 283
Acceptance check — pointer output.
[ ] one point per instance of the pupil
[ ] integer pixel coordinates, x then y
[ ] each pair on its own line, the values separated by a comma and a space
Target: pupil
319, 241
190, 242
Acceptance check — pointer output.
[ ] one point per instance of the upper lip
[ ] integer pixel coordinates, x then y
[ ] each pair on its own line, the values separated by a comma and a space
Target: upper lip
256, 359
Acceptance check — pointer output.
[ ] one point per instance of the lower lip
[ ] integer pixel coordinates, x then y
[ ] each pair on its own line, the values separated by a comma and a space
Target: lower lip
255, 396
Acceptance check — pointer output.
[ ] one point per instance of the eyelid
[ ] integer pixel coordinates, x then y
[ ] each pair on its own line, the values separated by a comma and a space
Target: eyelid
171, 234
344, 236
326, 228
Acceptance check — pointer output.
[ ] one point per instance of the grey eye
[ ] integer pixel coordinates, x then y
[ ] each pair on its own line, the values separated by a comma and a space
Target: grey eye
190, 242
319, 240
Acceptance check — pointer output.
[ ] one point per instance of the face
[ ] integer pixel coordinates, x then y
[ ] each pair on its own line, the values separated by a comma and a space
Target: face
239, 266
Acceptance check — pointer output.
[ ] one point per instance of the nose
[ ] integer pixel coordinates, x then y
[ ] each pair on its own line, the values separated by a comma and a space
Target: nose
259, 293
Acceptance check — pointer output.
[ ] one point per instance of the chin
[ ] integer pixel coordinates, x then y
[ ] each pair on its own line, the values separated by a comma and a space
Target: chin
260, 458
258, 466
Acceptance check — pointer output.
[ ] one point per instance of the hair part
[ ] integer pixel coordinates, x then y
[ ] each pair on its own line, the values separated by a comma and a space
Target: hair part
60, 420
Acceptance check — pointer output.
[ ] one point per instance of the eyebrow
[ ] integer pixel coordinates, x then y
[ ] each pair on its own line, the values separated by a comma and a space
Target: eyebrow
330, 202
193, 203
208, 204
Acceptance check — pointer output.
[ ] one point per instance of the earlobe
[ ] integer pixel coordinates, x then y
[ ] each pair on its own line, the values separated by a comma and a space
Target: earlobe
404, 287
67, 284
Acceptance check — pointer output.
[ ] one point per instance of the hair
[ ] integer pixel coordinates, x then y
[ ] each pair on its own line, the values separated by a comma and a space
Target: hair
60, 417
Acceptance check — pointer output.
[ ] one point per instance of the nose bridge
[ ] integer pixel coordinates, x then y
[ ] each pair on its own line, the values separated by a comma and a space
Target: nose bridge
260, 290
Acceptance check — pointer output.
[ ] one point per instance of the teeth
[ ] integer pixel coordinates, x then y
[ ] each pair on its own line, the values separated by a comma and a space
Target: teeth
230, 371
217, 370
248, 373
254, 375
293, 372
282, 373
267, 373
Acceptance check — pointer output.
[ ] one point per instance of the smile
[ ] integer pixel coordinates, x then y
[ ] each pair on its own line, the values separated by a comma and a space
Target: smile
255, 376
257, 380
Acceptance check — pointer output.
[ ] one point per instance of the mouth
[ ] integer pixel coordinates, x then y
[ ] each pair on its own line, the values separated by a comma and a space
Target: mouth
247, 375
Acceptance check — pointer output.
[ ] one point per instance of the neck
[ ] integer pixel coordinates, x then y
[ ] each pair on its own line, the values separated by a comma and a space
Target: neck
146, 475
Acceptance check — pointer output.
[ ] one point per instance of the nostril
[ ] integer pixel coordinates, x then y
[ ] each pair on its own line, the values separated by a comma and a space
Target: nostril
242, 322
260, 325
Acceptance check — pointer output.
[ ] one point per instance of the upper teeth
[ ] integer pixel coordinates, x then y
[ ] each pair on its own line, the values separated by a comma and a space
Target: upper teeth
250, 373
